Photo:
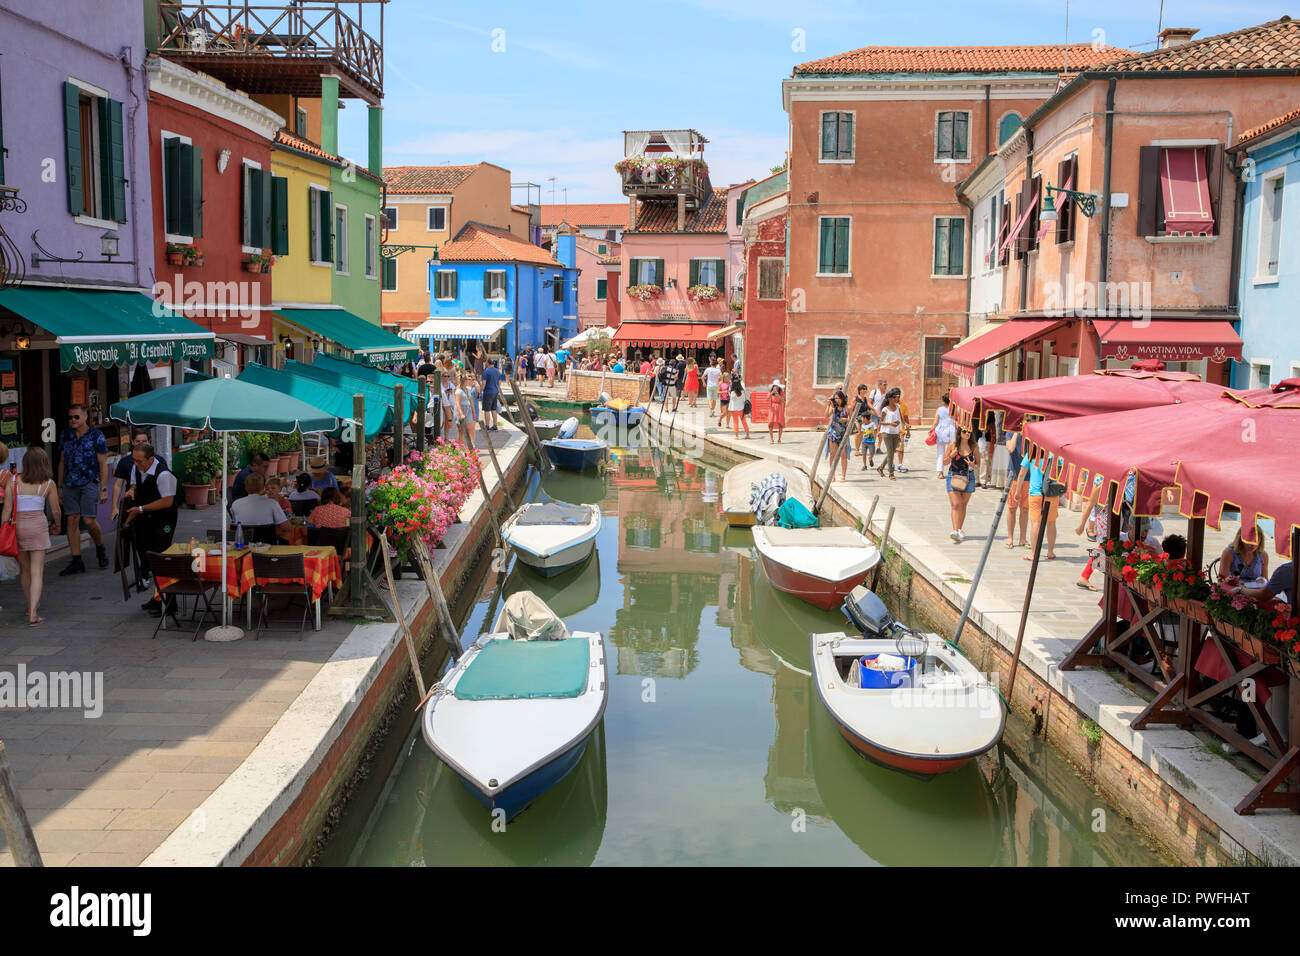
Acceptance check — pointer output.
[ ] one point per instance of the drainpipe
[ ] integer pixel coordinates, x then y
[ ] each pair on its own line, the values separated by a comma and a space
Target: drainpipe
1029, 177
124, 56
517, 301
987, 120
1105, 204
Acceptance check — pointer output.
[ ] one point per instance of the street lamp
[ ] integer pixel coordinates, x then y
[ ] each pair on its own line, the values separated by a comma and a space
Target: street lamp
1086, 203
108, 244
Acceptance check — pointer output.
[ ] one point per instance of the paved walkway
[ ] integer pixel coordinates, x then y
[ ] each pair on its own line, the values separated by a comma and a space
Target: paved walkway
1060, 613
179, 716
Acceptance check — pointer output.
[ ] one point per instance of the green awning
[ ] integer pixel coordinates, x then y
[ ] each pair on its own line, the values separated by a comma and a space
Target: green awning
352, 386
98, 329
369, 342
367, 373
336, 401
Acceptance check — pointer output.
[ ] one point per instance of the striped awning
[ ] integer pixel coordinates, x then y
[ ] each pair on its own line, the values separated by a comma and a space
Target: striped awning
456, 328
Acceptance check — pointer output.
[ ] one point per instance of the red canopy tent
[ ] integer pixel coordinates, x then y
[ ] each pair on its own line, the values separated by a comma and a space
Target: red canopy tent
1070, 396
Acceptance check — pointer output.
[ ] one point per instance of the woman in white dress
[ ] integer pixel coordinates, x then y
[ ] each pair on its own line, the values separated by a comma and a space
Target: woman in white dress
945, 433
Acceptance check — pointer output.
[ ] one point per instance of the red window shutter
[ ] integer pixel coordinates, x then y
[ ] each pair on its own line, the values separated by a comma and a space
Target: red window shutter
1006, 226
1150, 217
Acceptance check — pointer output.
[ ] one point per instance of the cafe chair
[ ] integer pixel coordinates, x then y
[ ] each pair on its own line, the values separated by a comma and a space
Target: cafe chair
185, 582
304, 506
291, 566
336, 538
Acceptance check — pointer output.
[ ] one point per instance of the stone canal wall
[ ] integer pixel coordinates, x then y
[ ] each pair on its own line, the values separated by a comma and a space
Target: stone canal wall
274, 807
1167, 780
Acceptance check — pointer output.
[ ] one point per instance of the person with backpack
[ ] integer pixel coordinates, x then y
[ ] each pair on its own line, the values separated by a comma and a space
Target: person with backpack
736, 402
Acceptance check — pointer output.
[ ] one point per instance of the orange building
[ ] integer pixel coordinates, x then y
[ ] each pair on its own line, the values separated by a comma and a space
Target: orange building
878, 243
1139, 261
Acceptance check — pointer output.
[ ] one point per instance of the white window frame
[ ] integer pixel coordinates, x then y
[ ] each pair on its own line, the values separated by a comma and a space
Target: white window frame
641, 264
163, 136
1267, 181
1255, 366
598, 296
91, 217
965, 247
435, 273
315, 192
758, 290
342, 254
817, 340
297, 113
372, 246
428, 216
505, 286
853, 146
833, 275
942, 160
245, 196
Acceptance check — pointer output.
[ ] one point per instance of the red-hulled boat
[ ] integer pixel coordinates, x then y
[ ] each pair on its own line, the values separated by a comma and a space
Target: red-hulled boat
819, 565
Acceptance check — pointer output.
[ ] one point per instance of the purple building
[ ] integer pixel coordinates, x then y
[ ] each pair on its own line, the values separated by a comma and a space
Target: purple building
77, 321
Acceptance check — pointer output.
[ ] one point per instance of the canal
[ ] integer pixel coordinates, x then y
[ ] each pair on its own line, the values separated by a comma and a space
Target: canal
714, 749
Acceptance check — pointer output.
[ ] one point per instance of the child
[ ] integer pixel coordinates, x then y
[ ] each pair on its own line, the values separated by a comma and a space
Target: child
724, 395
274, 489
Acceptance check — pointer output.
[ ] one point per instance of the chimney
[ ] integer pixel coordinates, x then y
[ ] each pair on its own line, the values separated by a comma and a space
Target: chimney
1176, 36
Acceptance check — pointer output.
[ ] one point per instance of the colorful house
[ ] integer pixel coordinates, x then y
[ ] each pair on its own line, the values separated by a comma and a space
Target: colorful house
1120, 239
493, 287
765, 220
1267, 160
595, 257
596, 220
674, 250
878, 246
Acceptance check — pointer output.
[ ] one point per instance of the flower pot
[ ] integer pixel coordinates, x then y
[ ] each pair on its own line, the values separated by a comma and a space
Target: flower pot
196, 496
254, 267
230, 478
288, 462
1254, 646
176, 258
273, 466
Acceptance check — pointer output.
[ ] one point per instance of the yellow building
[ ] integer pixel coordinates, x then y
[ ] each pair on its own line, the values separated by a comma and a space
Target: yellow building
428, 206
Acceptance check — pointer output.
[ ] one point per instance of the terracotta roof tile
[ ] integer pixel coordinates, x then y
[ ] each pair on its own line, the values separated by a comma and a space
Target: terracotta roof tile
660, 215
1269, 46
1263, 129
590, 214
479, 243
426, 179
592, 245
1049, 58
304, 145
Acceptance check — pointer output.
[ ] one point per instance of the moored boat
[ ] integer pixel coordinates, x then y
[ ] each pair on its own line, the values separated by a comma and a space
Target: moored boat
611, 417
738, 487
513, 716
551, 537
576, 454
911, 702
819, 565
547, 428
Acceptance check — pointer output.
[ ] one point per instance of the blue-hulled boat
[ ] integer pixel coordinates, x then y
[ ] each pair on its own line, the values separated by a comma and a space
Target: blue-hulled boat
576, 454
513, 716
602, 416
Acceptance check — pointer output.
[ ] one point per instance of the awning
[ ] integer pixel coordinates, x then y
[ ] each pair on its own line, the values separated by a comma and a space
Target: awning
998, 341
367, 341
723, 332
1168, 340
1185, 186
329, 398
456, 328
98, 329
239, 338
664, 333
353, 377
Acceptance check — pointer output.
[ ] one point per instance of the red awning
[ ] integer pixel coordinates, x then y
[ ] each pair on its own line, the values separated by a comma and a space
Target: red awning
1186, 190
1069, 396
1168, 340
664, 333
974, 352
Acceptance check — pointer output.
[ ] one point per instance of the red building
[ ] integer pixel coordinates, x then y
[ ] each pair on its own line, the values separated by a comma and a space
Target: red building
201, 135
765, 220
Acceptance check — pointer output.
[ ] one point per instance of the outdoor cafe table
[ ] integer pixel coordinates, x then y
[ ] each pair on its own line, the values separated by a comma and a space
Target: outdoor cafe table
320, 564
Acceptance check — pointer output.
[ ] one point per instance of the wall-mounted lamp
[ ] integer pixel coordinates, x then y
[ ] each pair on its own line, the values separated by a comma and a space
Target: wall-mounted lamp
108, 243
22, 342
1086, 203
223, 160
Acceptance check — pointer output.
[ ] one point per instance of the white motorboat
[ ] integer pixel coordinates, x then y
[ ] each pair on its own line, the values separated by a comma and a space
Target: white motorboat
738, 486
819, 565
551, 537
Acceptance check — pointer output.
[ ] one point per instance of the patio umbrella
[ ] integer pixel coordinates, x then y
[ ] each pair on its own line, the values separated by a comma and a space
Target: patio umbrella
336, 401
1069, 396
224, 405
586, 335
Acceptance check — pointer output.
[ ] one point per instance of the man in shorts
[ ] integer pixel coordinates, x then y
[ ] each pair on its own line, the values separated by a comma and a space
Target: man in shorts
83, 477
1018, 493
712, 375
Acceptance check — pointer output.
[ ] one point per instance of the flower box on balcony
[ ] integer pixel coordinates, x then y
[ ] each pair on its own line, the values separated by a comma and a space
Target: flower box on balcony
1256, 647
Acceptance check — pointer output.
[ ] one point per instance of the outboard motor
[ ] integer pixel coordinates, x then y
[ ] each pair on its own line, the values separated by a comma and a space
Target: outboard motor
532, 411
867, 613
605, 398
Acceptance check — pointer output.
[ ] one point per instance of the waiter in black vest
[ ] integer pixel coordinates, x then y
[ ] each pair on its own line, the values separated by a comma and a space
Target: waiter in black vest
149, 505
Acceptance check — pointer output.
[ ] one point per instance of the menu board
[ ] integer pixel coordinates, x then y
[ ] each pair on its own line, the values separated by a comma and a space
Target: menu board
8, 401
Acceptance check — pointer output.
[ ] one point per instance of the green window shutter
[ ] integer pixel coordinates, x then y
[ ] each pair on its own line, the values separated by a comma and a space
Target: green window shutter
487, 285
829, 125
453, 285
842, 245
192, 203
826, 246
252, 197
326, 225
721, 274
943, 137
388, 274
959, 135
602, 249
280, 216
695, 272
956, 246
633, 272
602, 288
172, 184
940, 246
268, 203
112, 167
846, 136
660, 279
72, 146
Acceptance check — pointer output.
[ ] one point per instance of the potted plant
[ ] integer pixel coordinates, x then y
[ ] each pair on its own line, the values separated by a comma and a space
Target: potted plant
261, 442
1240, 619
201, 463
645, 293
288, 447
259, 262
703, 293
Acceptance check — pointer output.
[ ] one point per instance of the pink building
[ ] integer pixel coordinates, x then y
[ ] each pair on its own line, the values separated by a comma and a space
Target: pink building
595, 287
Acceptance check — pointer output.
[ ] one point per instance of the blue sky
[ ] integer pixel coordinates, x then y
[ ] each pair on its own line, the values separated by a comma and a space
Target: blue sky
572, 76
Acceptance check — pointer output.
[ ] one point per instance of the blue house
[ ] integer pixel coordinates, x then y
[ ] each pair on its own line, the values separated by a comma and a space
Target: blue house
489, 285
1269, 284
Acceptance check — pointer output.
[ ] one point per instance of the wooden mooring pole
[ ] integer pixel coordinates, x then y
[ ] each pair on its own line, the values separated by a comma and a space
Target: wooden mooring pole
13, 819
884, 545
496, 466
1029, 594
835, 458
446, 626
407, 637
543, 464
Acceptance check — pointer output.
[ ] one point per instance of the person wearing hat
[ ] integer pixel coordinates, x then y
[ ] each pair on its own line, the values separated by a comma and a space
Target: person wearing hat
776, 417
321, 478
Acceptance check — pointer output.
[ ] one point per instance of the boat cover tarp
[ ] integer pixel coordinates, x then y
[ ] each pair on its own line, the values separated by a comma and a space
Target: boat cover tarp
766, 498
793, 515
526, 617
814, 538
554, 513
516, 670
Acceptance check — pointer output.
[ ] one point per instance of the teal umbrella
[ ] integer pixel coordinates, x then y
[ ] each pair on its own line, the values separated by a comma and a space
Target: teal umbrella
224, 405
336, 401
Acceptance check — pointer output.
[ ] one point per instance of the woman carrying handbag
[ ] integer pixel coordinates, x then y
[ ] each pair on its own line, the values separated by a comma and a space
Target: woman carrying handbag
961, 457
24, 513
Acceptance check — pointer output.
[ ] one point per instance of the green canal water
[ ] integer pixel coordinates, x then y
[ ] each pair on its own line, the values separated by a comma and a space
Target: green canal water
714, 749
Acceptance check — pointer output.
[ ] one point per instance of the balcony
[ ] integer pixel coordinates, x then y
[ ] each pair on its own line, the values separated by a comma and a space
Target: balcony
664, 164
279, 48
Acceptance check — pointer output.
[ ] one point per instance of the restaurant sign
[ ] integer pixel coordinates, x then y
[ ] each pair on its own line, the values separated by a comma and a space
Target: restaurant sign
1167, 352
115, 352
389, 357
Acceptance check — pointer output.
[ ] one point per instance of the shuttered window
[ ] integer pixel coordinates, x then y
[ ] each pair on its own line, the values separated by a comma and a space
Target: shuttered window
558, 289
952, 135
370, 247
837, 136
833, 245
341, 257
1004, 253
182, 188
437, 218
949, 246
494, 285
280, 215
2, 134
390, 216
771, 273
1151, 199
832, 360
1270, 227
258, 202
646, 272
708, 272
602, 289
93, 155
388, 275
445, 284
320, 210
1067, 175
